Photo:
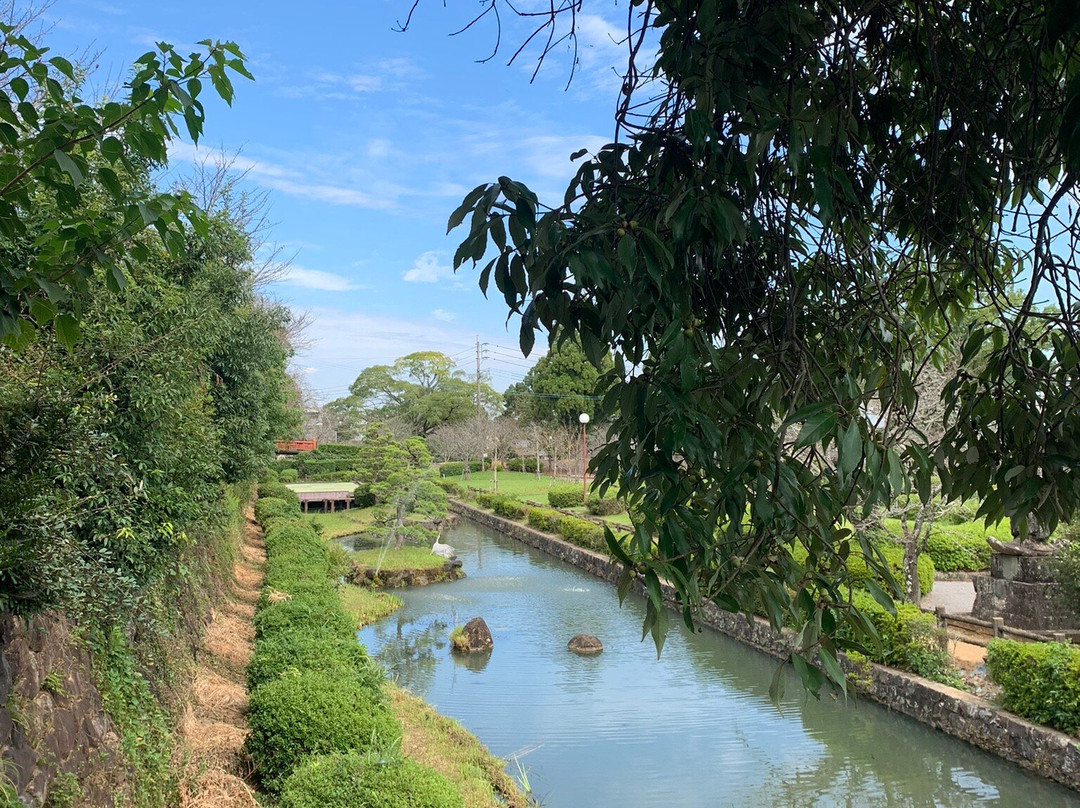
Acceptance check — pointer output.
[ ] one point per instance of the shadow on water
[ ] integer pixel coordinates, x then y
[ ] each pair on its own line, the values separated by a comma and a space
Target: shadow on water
694, 728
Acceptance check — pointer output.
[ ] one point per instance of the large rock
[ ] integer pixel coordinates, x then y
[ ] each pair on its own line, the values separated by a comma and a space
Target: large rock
585, 645
474, 638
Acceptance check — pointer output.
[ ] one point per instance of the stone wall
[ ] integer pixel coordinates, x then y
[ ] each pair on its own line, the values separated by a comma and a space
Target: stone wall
1045, 751
55, 739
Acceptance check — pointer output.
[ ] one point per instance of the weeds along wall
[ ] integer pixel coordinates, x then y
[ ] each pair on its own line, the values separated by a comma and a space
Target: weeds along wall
322, 733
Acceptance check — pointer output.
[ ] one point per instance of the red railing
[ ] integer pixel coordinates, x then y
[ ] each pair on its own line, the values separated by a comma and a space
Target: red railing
294, 446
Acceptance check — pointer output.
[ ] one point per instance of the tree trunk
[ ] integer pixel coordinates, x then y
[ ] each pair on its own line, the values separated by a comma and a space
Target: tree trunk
399, 527
911, 568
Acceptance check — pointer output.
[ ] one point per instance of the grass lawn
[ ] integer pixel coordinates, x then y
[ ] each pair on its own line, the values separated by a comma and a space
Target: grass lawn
368, 605
320, 488
342, 523
407, 558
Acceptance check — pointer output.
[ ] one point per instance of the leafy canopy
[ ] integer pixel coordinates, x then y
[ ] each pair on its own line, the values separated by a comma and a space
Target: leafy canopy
559, 387
803, 200
56, 149
423, 390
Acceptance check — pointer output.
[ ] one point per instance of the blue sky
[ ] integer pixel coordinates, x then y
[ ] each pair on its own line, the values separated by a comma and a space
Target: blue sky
366, 140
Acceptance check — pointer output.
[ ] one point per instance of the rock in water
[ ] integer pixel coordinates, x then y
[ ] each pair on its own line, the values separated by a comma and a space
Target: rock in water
474, 638
585, 644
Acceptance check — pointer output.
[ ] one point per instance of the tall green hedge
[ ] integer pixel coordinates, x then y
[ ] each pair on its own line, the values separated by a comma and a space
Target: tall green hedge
1039, 681
564, 496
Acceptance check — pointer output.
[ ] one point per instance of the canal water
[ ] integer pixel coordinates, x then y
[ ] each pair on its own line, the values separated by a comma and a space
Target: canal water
693, 729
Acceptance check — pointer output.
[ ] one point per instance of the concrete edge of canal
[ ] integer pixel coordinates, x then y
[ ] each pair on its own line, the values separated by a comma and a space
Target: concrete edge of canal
1043, 751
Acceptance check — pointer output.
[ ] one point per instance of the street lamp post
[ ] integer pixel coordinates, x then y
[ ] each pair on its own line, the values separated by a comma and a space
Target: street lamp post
584, 419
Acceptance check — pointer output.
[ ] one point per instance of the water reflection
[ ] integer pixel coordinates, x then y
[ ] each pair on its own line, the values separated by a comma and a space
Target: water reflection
695, 728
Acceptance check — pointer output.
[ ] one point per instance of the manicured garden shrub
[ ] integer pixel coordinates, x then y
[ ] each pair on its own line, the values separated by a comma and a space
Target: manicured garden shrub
959, 547
910, 639
312, 713
363, 498
583, 533
289, 475
527, 464
269, 508
1039, 681
451, 488
607, 506
300, 649
509, 508
269, 476
564, 496
278, 491
352, 780
545, 519
454, 469
306, 610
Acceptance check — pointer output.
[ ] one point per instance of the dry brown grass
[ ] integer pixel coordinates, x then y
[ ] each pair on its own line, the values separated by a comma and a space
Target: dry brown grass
239, 609
246, 576
229, 639
215, 788
253, 554
277, 597
214, 744
219, 699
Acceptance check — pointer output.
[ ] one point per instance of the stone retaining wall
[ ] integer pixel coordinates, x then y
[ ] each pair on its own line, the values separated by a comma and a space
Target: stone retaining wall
56, 741
1045, 751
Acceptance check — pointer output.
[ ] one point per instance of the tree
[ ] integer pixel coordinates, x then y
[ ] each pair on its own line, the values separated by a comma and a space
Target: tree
422, 389
802, 201
559, 387
76, 159
398, 474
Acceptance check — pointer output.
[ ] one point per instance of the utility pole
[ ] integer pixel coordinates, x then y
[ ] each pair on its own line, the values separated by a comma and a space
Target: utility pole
479, 447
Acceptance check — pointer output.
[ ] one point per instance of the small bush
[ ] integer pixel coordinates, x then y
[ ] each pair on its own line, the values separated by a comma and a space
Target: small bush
363, 498
583, 533
308, 610
959, 547
545, 519
312, 713
289, 475
269, 508
1040, 681
608, 506
509, 508
269, 477
301, 650
353, 781
451, 488
527, 464
278, 491
910, 640
451, 469
564, 496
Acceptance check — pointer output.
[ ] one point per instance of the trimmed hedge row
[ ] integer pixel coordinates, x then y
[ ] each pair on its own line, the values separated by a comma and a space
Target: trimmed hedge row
581, 532
564, 496
1040, 680
316, 698
456, 468
604, 506
527, 464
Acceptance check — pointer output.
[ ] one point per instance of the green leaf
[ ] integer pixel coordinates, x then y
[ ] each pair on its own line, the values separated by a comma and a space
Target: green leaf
69, 167
67, 330
832, 668
816, 428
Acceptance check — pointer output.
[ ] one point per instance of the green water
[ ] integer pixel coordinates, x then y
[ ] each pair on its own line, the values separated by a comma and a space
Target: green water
694, 728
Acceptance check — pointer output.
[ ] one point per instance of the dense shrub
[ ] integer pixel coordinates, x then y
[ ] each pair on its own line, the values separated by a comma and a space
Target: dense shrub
319, 468
278, 491
451, 488
894, 557
545, 519
910, 639
451, 469
607, 506
363, 497
269, 508
289, 475
269, 476
1040, 681
564, 496
295, 650
311, 713
583, 533
507, 507
959, 547
321, 613
353, 781
527, 464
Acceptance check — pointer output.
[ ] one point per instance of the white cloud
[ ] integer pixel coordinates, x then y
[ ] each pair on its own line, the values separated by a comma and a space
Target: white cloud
444, 315
317, 279
427, 269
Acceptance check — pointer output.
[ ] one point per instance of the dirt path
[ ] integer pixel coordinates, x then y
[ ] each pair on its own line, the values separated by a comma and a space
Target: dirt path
214, 728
